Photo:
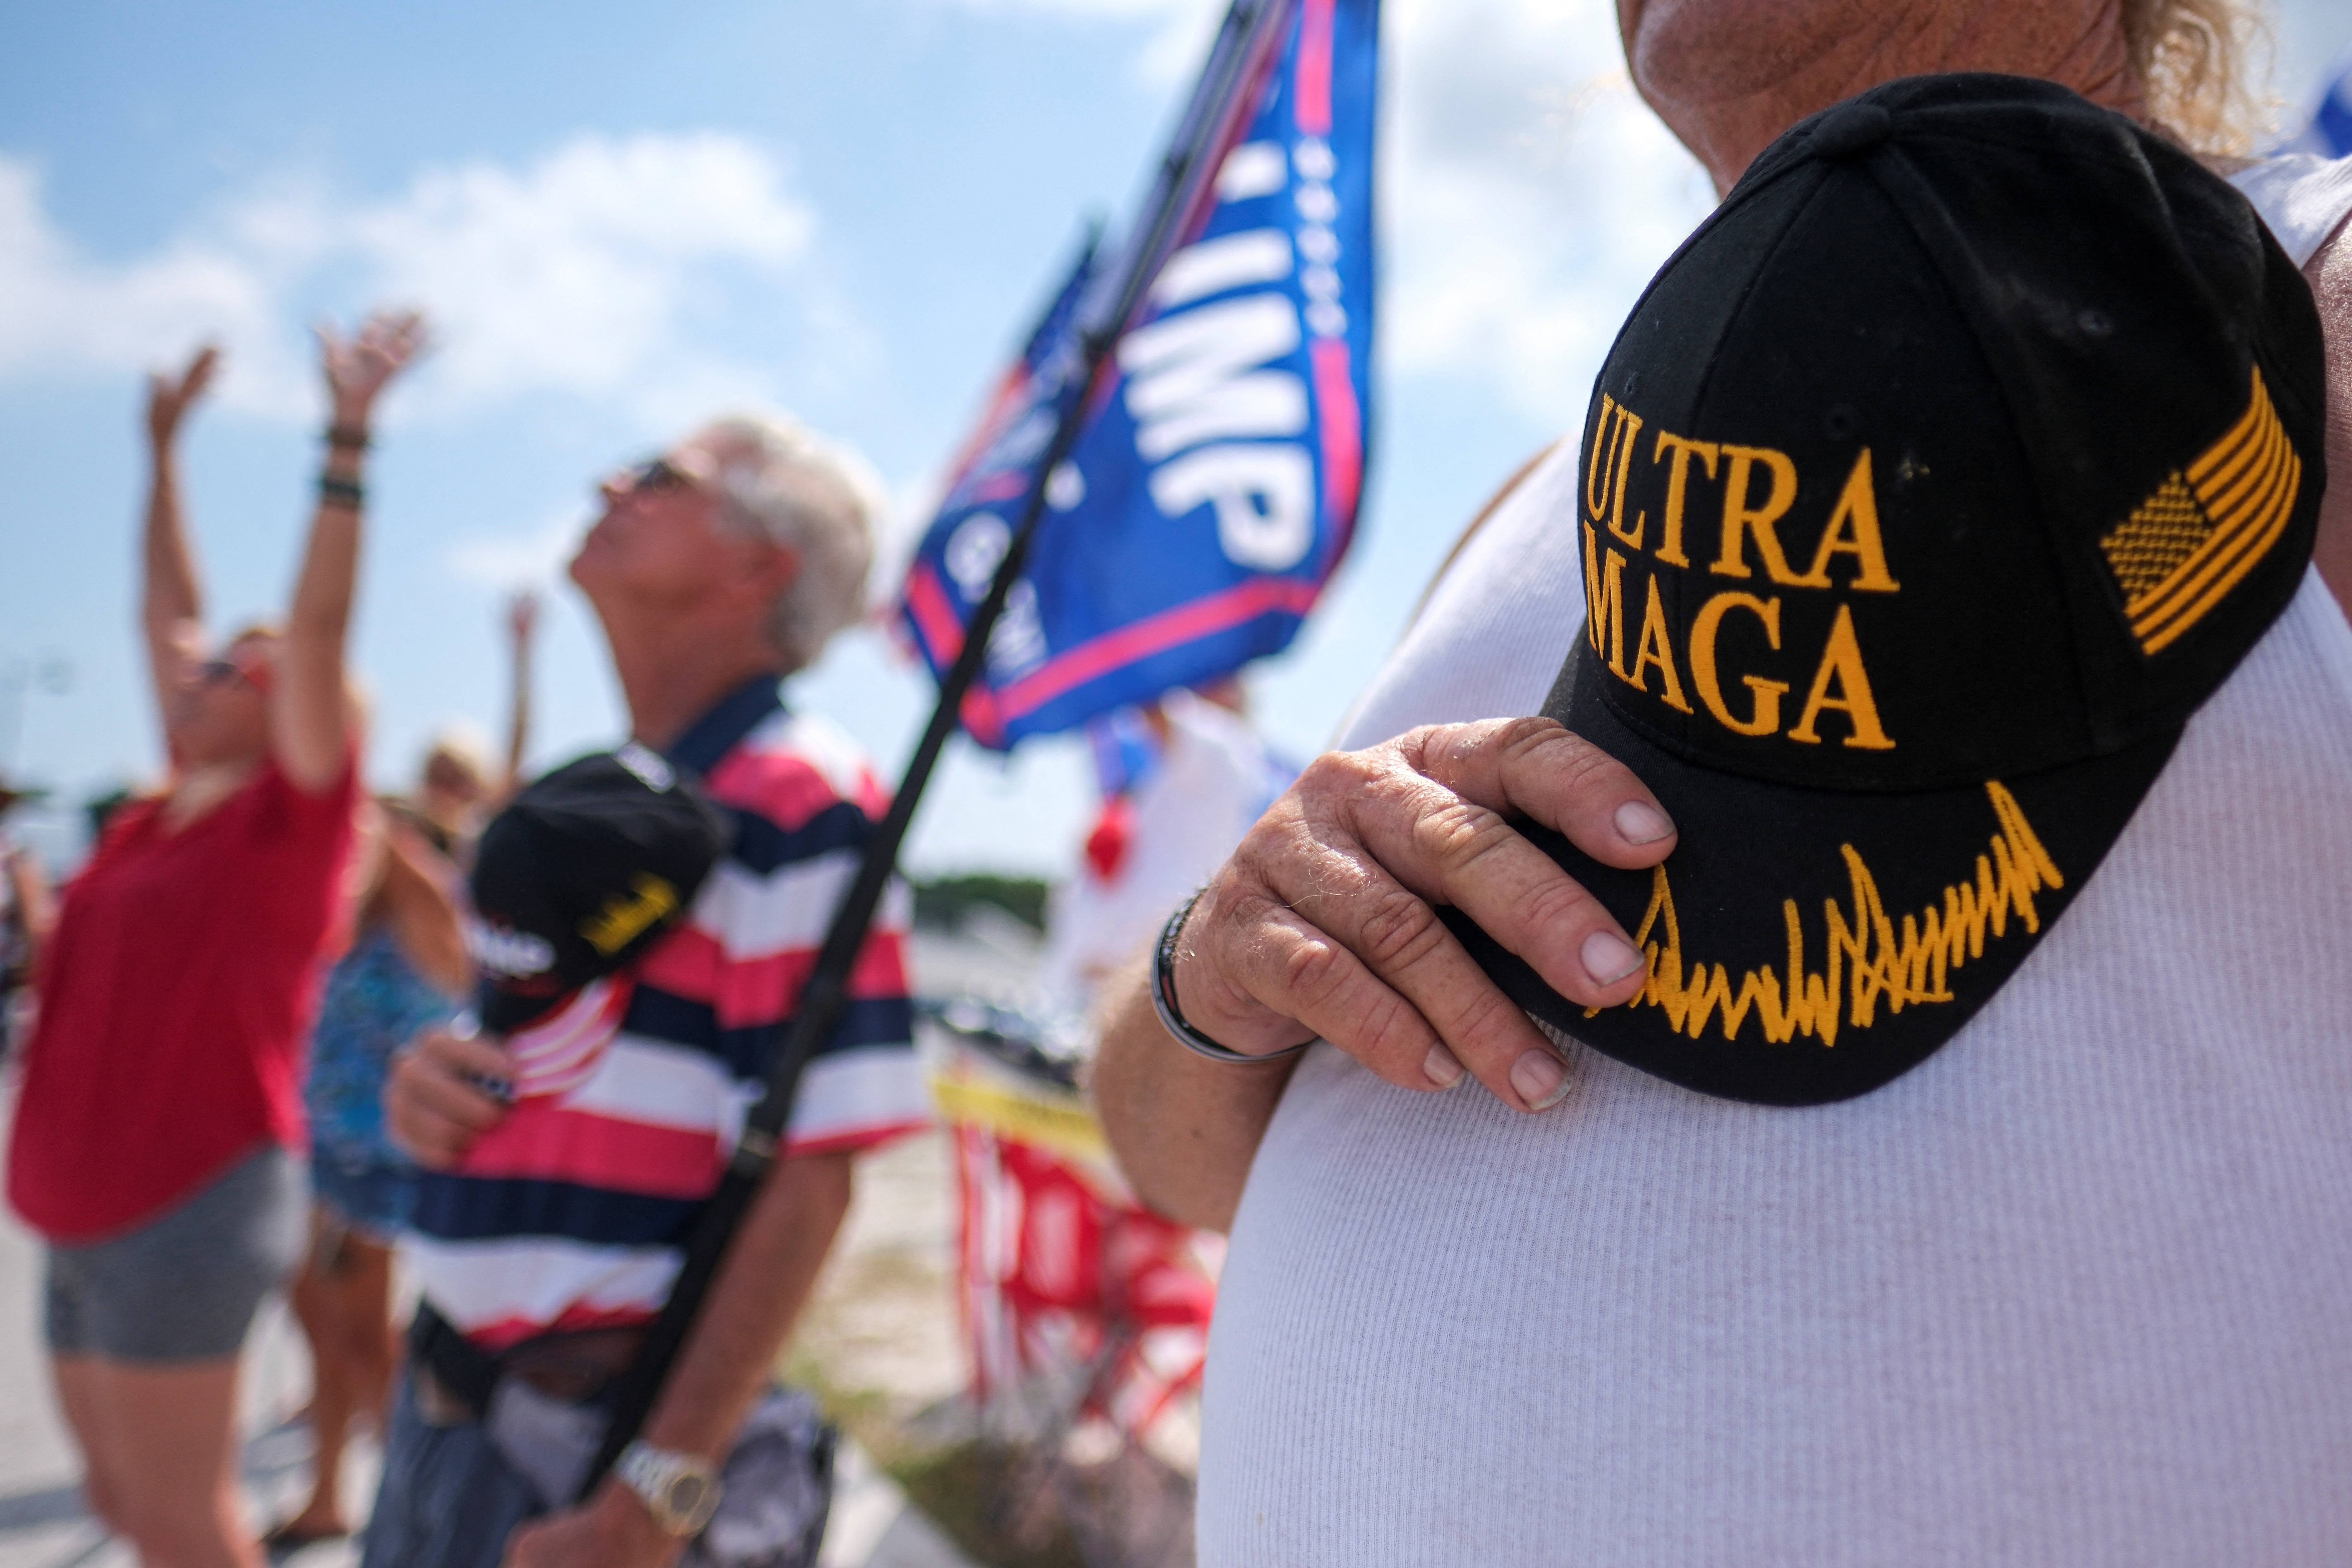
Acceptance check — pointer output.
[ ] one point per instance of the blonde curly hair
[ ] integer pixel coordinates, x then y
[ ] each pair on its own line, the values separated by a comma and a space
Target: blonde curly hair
2199, 61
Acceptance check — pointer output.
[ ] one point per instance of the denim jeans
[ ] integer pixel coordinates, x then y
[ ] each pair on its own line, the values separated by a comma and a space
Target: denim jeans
450, 1498
447, 1499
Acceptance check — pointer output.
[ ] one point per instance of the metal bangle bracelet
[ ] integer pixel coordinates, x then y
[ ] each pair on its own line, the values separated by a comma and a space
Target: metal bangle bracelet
1163, 1000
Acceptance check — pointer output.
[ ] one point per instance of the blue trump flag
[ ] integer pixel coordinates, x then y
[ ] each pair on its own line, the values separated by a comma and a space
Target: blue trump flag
2329, 130
1215, 486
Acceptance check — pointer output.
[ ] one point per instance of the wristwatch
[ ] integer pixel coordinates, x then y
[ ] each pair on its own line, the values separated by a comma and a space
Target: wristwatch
680, 1491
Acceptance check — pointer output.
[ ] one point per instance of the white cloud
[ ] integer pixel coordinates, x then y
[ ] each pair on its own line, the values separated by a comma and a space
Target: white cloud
511, 561
1175, 46
56, 307
1116, 10
578, 274
1531, 194
574, 273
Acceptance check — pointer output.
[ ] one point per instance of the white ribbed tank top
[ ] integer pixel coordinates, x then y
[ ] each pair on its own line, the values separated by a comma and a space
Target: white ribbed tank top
2076, 1291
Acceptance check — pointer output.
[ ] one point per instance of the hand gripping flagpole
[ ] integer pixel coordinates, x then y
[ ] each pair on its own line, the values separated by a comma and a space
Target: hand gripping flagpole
1222, 105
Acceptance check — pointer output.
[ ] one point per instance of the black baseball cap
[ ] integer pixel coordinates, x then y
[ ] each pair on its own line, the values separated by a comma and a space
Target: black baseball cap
1929, 488
581, 873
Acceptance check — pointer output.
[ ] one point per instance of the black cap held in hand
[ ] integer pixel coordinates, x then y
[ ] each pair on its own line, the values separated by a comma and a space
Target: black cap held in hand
1925, 494
583, 871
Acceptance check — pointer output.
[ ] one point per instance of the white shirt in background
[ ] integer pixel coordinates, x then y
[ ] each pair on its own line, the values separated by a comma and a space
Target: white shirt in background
1214, 779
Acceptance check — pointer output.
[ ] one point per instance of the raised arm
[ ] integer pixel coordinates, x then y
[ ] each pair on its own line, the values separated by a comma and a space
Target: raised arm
421, 900
35, 904
523, 621
171, 602
311, 720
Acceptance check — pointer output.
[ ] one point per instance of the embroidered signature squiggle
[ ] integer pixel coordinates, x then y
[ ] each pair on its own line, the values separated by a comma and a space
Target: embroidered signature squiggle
1871, 958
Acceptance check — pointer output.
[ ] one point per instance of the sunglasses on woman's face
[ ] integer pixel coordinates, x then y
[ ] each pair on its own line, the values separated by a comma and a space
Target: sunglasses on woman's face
220, 673
213, 674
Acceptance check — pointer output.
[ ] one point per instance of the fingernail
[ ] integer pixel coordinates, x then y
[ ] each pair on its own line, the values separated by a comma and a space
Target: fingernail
1609, 957
1639, 822
1539, 1079
1441, 1067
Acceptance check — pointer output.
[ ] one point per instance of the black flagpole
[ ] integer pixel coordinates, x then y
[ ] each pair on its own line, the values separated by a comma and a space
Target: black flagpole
1243, 51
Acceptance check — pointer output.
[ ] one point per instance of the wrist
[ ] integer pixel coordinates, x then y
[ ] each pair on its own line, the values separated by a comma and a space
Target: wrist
677, 1490
622, 1516
346, 455
1182, 959
1195, 990
1166, 983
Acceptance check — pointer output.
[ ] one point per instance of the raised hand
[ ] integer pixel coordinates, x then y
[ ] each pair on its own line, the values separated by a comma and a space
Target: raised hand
359, 368
168, 397
523, 616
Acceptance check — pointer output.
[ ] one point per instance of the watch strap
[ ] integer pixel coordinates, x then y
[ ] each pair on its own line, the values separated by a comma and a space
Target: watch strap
654, 1474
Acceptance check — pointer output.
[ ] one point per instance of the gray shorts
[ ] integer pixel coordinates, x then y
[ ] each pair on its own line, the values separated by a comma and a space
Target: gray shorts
184, 1285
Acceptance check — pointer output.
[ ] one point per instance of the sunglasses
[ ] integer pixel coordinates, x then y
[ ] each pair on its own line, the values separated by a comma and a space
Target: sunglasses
658, 475
214, 673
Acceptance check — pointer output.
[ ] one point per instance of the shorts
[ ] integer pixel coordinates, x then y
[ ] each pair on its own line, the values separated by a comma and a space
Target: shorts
184, 1285
370, 1198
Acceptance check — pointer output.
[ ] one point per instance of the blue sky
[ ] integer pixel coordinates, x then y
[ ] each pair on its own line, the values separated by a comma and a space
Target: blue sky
627, 219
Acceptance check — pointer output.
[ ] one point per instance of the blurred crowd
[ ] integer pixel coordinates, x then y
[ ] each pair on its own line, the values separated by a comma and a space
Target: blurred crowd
202, 1115
249, 1048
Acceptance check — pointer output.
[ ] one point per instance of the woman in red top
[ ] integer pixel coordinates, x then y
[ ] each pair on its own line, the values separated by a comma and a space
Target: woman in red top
162, 1090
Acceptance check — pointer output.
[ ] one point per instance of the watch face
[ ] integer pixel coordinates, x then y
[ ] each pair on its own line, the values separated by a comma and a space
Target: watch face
681, 1492
693, 1498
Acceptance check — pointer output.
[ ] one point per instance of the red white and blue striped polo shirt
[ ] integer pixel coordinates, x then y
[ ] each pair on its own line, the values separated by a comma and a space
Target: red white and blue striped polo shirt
572, 1212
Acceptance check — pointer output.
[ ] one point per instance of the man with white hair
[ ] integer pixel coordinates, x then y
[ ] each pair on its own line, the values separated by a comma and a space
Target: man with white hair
548, 1242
